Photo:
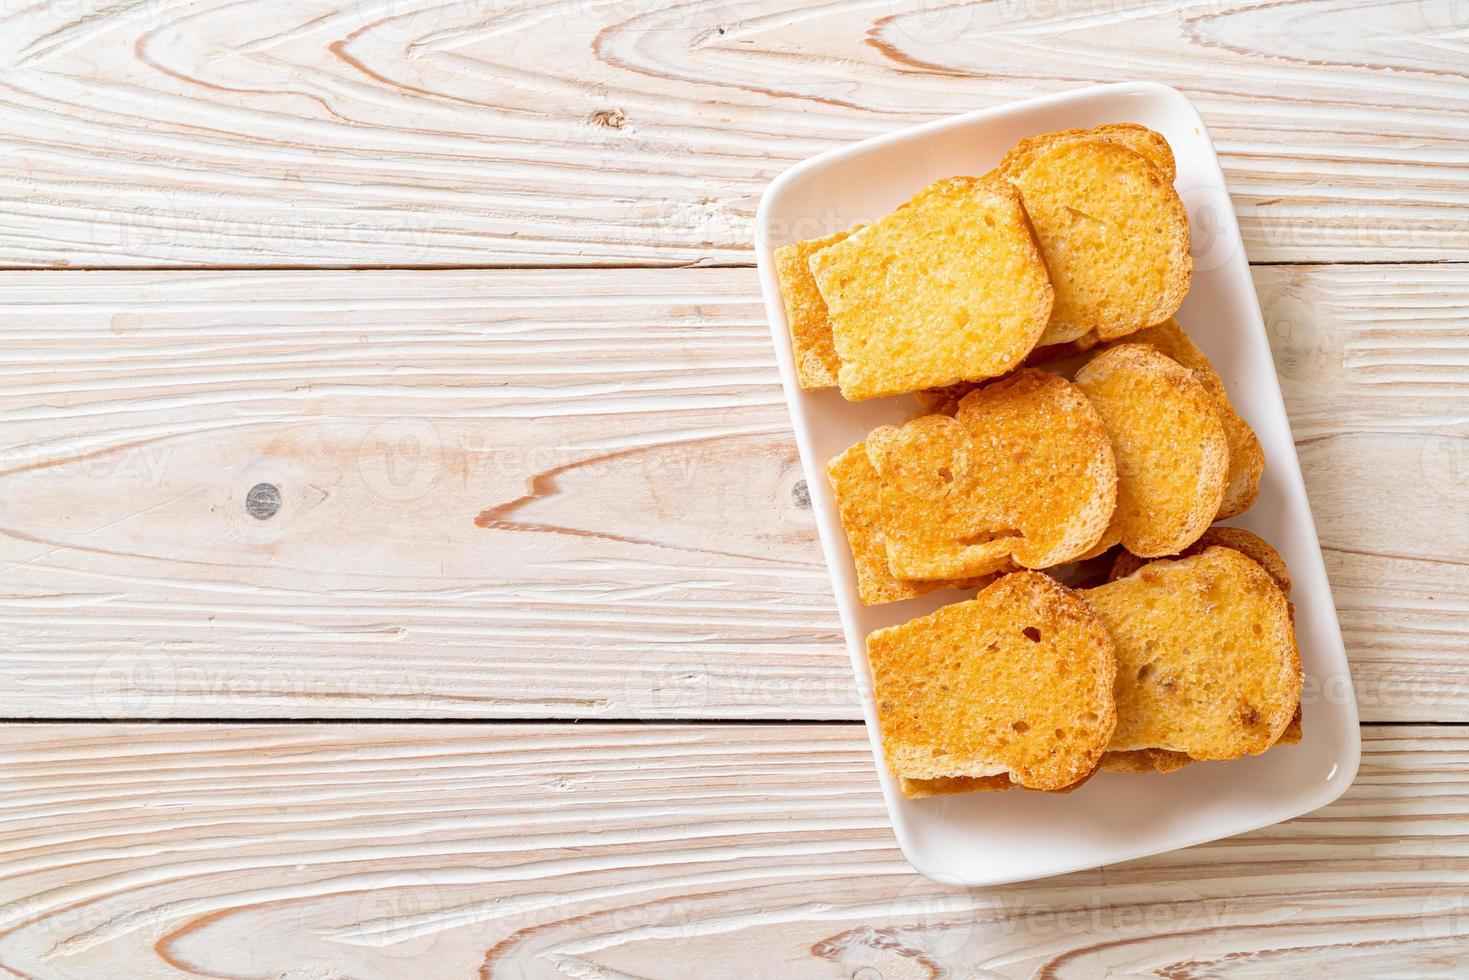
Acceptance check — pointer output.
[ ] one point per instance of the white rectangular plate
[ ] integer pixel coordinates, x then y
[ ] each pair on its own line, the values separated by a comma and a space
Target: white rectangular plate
991, 838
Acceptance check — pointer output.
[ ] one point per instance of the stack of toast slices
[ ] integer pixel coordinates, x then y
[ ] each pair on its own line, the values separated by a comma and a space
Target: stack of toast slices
1062, 414
1037, 685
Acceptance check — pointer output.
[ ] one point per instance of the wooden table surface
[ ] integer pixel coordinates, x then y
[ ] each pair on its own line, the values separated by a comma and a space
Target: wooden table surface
529, 667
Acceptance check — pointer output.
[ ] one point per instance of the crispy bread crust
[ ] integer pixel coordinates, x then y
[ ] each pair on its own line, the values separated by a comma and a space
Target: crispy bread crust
1139, 139
816, 357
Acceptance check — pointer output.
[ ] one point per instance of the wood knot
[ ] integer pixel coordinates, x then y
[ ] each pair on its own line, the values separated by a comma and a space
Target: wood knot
262, 501
801, 495
608, 118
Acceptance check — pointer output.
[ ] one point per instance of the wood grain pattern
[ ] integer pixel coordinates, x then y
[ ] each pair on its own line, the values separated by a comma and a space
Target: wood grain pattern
1375, 370
335, 133
574, 495
566, 494
570, 494
621, 851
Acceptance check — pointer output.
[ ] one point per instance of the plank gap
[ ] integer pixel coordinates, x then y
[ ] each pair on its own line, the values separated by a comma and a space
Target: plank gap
530, 720
389, 267
443, 720
585, 266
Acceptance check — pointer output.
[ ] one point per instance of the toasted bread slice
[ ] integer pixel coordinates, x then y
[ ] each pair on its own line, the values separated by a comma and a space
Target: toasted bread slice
1246, 458
1133, 761
1292, 733
919, 789
1019, 678
1022, 471
930, 399
1051, 353
1207, 663
1144, 760
1168, 439
1114, 234
950, 287
1139, 139
947, 398
816, 358
1162, 760
1247, 543
858, 505
935, 523
944, 400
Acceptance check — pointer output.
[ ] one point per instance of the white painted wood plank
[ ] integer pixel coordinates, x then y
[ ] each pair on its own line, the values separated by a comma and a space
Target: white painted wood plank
1375, 370
567, 494
428, 851
514, 494
329, 133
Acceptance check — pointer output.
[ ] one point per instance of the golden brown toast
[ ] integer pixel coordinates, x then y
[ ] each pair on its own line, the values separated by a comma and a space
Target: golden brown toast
919, 789
1155, 760
1139, 139
1247, 543
1051, 353
1018, 679
816, 357
858, 505
936, 523
1246, 458
1207, 663
1144, 760
1114, 234
944, 400
949, 287
1292, 733
1168, 440
1129, 761
1022, 471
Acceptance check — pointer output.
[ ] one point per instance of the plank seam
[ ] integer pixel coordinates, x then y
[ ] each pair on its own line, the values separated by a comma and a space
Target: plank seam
590, 266
537, 720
